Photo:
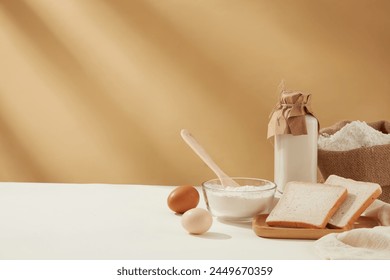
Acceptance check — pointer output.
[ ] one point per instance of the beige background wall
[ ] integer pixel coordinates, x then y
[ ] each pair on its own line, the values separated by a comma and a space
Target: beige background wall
97, 91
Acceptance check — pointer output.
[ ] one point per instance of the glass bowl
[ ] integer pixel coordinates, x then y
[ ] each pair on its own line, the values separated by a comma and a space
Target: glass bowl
254, 196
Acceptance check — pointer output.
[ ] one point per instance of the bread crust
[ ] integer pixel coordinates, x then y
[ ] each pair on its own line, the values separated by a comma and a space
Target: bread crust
352, 186
359, 212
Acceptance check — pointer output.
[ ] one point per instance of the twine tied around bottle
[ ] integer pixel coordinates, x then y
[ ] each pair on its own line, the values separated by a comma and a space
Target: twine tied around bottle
288, 116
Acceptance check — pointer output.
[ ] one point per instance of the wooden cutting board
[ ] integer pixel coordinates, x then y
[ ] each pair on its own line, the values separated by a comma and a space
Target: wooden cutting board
263, 230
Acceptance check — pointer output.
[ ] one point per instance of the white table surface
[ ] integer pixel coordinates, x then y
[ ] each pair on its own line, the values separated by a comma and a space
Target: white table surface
104, 221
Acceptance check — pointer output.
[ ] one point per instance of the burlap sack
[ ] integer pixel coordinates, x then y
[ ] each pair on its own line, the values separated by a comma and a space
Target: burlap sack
371, 164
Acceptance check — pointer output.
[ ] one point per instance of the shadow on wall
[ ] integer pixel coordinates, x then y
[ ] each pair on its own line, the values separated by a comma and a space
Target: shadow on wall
98, 92
125, 138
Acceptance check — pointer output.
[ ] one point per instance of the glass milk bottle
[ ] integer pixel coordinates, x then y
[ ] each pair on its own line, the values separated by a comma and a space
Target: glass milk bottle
295, 156
295, 147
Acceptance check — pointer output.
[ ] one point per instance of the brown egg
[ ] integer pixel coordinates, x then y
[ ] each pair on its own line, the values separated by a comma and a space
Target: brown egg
196, 221
183, 198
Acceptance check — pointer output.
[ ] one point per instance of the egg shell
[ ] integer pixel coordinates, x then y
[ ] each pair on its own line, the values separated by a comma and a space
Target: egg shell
197, 221
183, 198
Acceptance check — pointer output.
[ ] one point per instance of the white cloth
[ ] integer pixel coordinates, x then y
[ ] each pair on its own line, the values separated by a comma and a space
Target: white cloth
380, 210
362, 243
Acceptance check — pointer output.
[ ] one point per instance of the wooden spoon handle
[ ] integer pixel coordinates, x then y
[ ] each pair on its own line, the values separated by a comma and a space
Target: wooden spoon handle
200, 151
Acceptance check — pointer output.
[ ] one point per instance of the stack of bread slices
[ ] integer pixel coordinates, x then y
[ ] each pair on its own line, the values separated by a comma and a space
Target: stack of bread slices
337, 203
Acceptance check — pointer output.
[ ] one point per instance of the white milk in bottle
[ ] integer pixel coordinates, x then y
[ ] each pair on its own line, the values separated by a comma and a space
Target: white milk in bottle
295, 145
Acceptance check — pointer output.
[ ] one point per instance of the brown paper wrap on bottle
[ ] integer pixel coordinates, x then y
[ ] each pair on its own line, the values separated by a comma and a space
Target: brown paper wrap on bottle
368, 164
288, 117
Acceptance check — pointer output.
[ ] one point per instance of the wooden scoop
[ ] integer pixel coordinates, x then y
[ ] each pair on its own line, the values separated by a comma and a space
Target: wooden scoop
198, 149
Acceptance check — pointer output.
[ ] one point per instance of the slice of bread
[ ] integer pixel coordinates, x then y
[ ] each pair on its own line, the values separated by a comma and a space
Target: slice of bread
306, 205
360, 196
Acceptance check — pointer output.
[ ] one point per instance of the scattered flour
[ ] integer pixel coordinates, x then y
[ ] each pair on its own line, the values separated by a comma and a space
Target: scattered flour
356, 134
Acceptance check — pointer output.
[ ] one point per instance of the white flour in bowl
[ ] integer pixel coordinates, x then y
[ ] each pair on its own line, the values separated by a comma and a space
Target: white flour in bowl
239, 202
354, 135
